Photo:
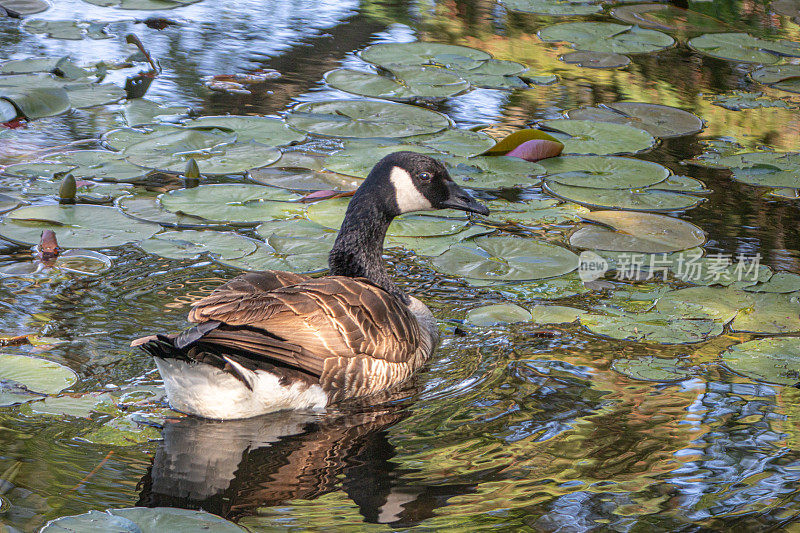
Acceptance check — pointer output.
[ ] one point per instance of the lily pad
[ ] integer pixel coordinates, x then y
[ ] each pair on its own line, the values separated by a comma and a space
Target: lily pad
142, 5
77, 406
28, 65
190, 244
535, 212
264, 130
141, 111
435, 246
506, 258
36, 103
496, 314
99, 164
121, 138
659, 120
704, 303
682, 184
303, 179
71, 30
771, 313
635, 200
556, 314
497, 74
784, 77
652, 369
358, 160
596, 59
773, 360
667, 17
82, 95
405, 83
365, 118
75, 226
600, 138
547, 289
651, 328
769, 169
419, 53
454, 141
604, 172
232, 203
265, 258
780, 282
148, 209
636, 232
142, 520
744, 47
24, 378
738, 100
607, 37
492, 172
553, 7
297, 236
24, 7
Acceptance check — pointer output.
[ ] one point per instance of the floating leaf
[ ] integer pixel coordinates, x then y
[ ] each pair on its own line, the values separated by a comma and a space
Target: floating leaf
770, 169
143, 5
706, 303
744, 47
636, 232
651, 328
83, 95
738, 100
492, 172
71, 30
365, 118
265, 258
232, 203
784, 77
142, 520
770, 313
667, 17
454, 141
652, 369
435, 246
605, 172
78, 406
148, 209
264, 130
553, 7
773, 360
596, 59
607, 37
406, 83
781, 282
99, 164
24, 7
600, 138
37, 102
75, 226
141, 111
535, 212
122, 431
659, 120
21, 375
506, 258
358, 160
303, 179
418, 53
190, 244
681, 184
555, 314
515, 139
548, 289
493, 315
636, 200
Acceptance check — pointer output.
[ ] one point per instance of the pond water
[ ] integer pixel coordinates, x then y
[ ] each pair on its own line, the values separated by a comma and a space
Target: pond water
524, 426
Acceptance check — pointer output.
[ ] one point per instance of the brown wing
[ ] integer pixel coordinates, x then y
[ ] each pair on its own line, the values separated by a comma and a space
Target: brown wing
353, 334
255, 282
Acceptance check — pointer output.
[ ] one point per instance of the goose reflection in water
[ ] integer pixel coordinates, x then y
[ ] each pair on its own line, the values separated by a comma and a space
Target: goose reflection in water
234, 468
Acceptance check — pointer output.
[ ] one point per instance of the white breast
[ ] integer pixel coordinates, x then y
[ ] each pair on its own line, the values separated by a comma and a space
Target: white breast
203, 390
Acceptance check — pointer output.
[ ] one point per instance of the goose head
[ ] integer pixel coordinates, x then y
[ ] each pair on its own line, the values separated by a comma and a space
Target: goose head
410, 181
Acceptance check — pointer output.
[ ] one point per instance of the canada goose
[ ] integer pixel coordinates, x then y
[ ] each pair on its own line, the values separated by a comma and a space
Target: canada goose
273, 340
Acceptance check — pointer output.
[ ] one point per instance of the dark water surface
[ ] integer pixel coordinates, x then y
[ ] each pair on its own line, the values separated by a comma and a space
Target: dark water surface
507, 428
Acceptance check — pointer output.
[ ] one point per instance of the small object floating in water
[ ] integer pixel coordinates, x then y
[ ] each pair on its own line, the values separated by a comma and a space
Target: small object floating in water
273, 340
237, 83
48, 248
325, 195
528, 144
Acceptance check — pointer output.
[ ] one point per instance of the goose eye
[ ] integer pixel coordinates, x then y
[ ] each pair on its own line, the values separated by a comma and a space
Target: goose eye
425, 176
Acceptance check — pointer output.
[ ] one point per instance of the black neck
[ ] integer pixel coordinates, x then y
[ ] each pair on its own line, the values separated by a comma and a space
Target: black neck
358, 249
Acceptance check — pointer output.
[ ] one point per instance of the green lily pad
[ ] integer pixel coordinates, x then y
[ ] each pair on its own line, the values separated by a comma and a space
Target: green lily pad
75, 226
773, 360
651, 328
607, 37
547, 289
784, 194
148, 209
652, 369
141, 111
667, 17
454, 141
738, 100
358, 160
265, 258
264, 130
365, 118
88, 193
535, 212
77, 406
604, 172
556, 314
82, 95
600, 138
769, 169
435, 246
635, 200
784, 77
596, 59
497, 74
190, 244
780, 282
143, 5
37, 102
682, 184
142, 520
419, 53
121, 138
744, 47
7, 203
330, 214
506, 258
703, 303
70, 30
771, 313
297, 236
22, 377
232, 203
553, 7
29, 65
122, 431
24, 7
659, 120
493, 172
99, 164
302, 179
496, 314
636, 232
405, 83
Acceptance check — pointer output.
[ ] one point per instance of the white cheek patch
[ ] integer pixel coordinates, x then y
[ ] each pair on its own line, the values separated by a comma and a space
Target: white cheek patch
408, 196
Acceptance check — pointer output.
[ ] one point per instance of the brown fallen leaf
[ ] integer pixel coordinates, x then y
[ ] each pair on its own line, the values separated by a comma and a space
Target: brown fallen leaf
325, 195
